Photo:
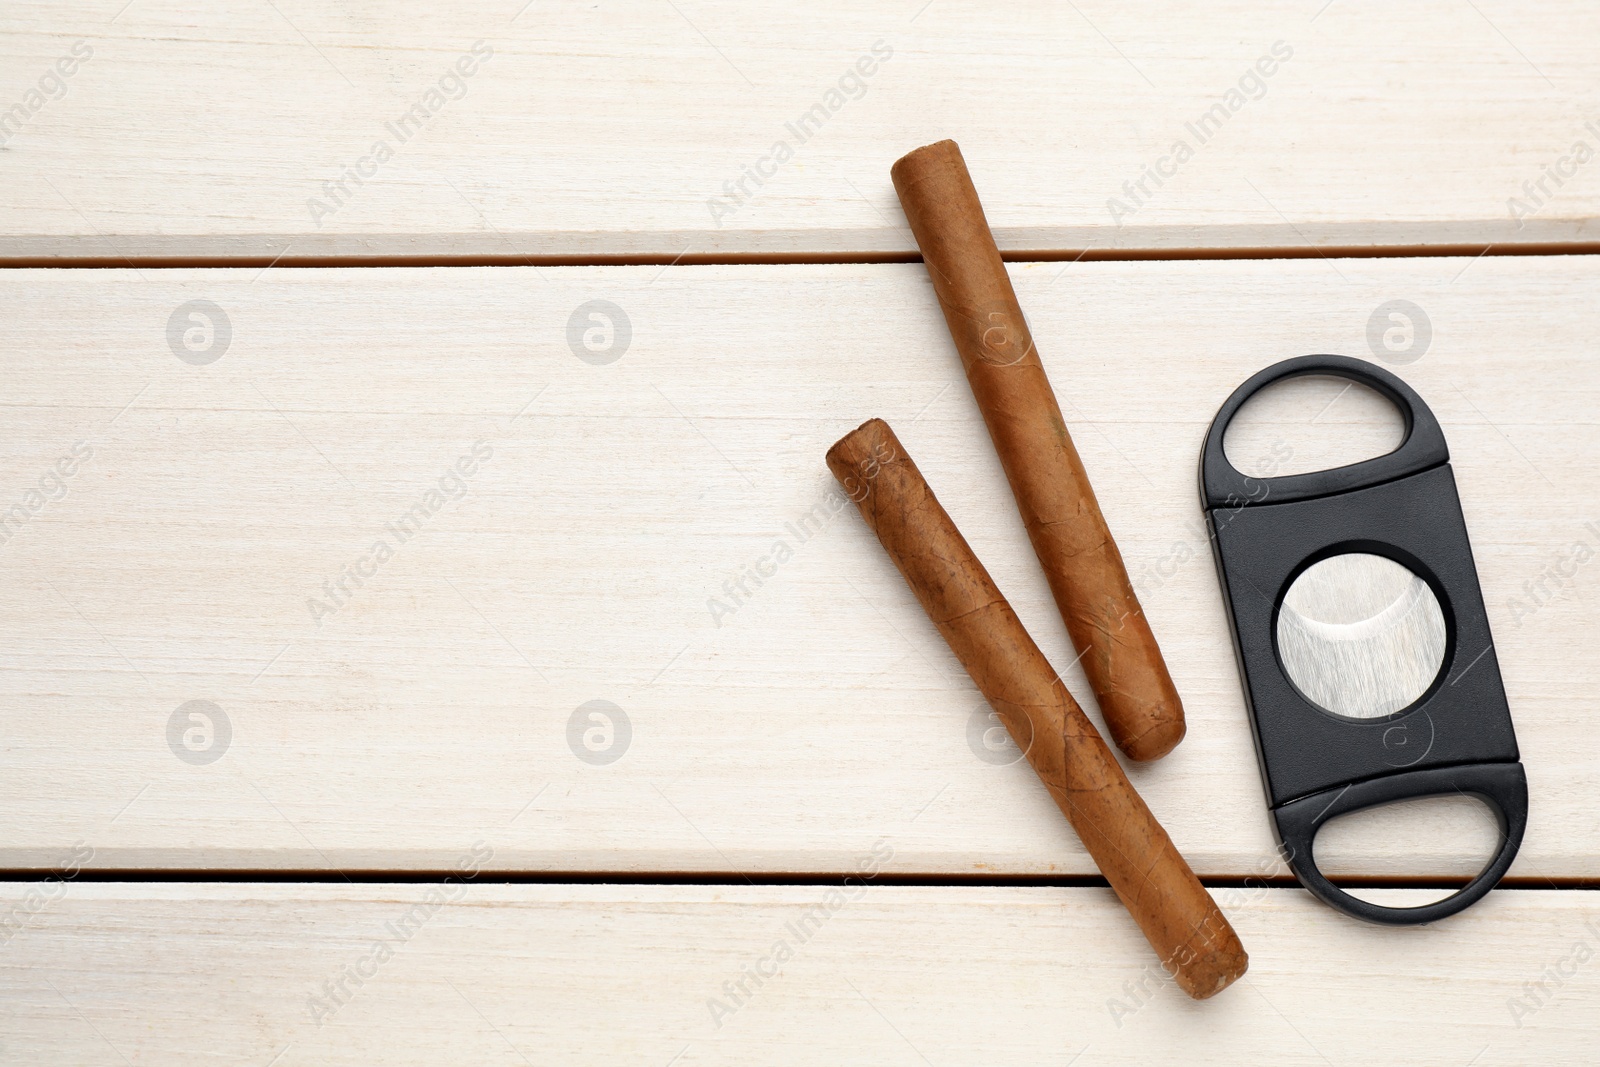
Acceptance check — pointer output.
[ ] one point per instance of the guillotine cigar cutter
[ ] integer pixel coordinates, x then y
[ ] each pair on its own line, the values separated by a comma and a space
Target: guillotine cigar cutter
1364, 649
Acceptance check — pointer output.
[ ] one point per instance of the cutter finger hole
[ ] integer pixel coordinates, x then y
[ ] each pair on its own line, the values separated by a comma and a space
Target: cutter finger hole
1311, 423
1448, 838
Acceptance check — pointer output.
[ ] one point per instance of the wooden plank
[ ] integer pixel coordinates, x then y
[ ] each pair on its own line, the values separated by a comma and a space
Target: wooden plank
253, 131
444, 700
178, 974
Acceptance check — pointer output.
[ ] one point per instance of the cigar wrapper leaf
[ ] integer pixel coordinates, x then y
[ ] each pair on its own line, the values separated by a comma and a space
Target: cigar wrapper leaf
1081, 561
1189, 933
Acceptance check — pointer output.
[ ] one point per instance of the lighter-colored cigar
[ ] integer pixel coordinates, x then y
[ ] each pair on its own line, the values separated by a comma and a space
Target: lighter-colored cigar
1183, 924
1063, 519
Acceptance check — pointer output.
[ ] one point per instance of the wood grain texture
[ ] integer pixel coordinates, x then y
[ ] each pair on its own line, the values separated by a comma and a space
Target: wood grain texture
625, 128
806, 717
180, 974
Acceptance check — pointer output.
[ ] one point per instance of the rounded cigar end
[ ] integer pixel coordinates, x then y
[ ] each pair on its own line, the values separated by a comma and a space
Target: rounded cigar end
871, 440
1214, 971
918, 162
1156, 740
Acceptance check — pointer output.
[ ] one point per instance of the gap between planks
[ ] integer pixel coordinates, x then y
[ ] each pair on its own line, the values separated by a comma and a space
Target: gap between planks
1026, 255
763, 878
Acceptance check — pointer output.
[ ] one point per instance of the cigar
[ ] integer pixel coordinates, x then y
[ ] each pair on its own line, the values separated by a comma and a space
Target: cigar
1191, 936
1063, 519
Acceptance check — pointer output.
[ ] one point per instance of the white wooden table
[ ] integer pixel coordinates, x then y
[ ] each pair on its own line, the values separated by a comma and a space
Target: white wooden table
271, 795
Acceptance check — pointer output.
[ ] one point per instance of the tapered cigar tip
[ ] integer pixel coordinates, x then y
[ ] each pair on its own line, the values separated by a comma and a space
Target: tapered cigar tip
929, 154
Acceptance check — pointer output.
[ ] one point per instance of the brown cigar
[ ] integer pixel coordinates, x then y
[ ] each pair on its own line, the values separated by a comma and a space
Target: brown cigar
1069, 534
1184, 925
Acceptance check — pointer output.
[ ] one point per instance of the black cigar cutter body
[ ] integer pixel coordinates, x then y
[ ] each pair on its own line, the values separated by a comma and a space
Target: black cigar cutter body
1389, 576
